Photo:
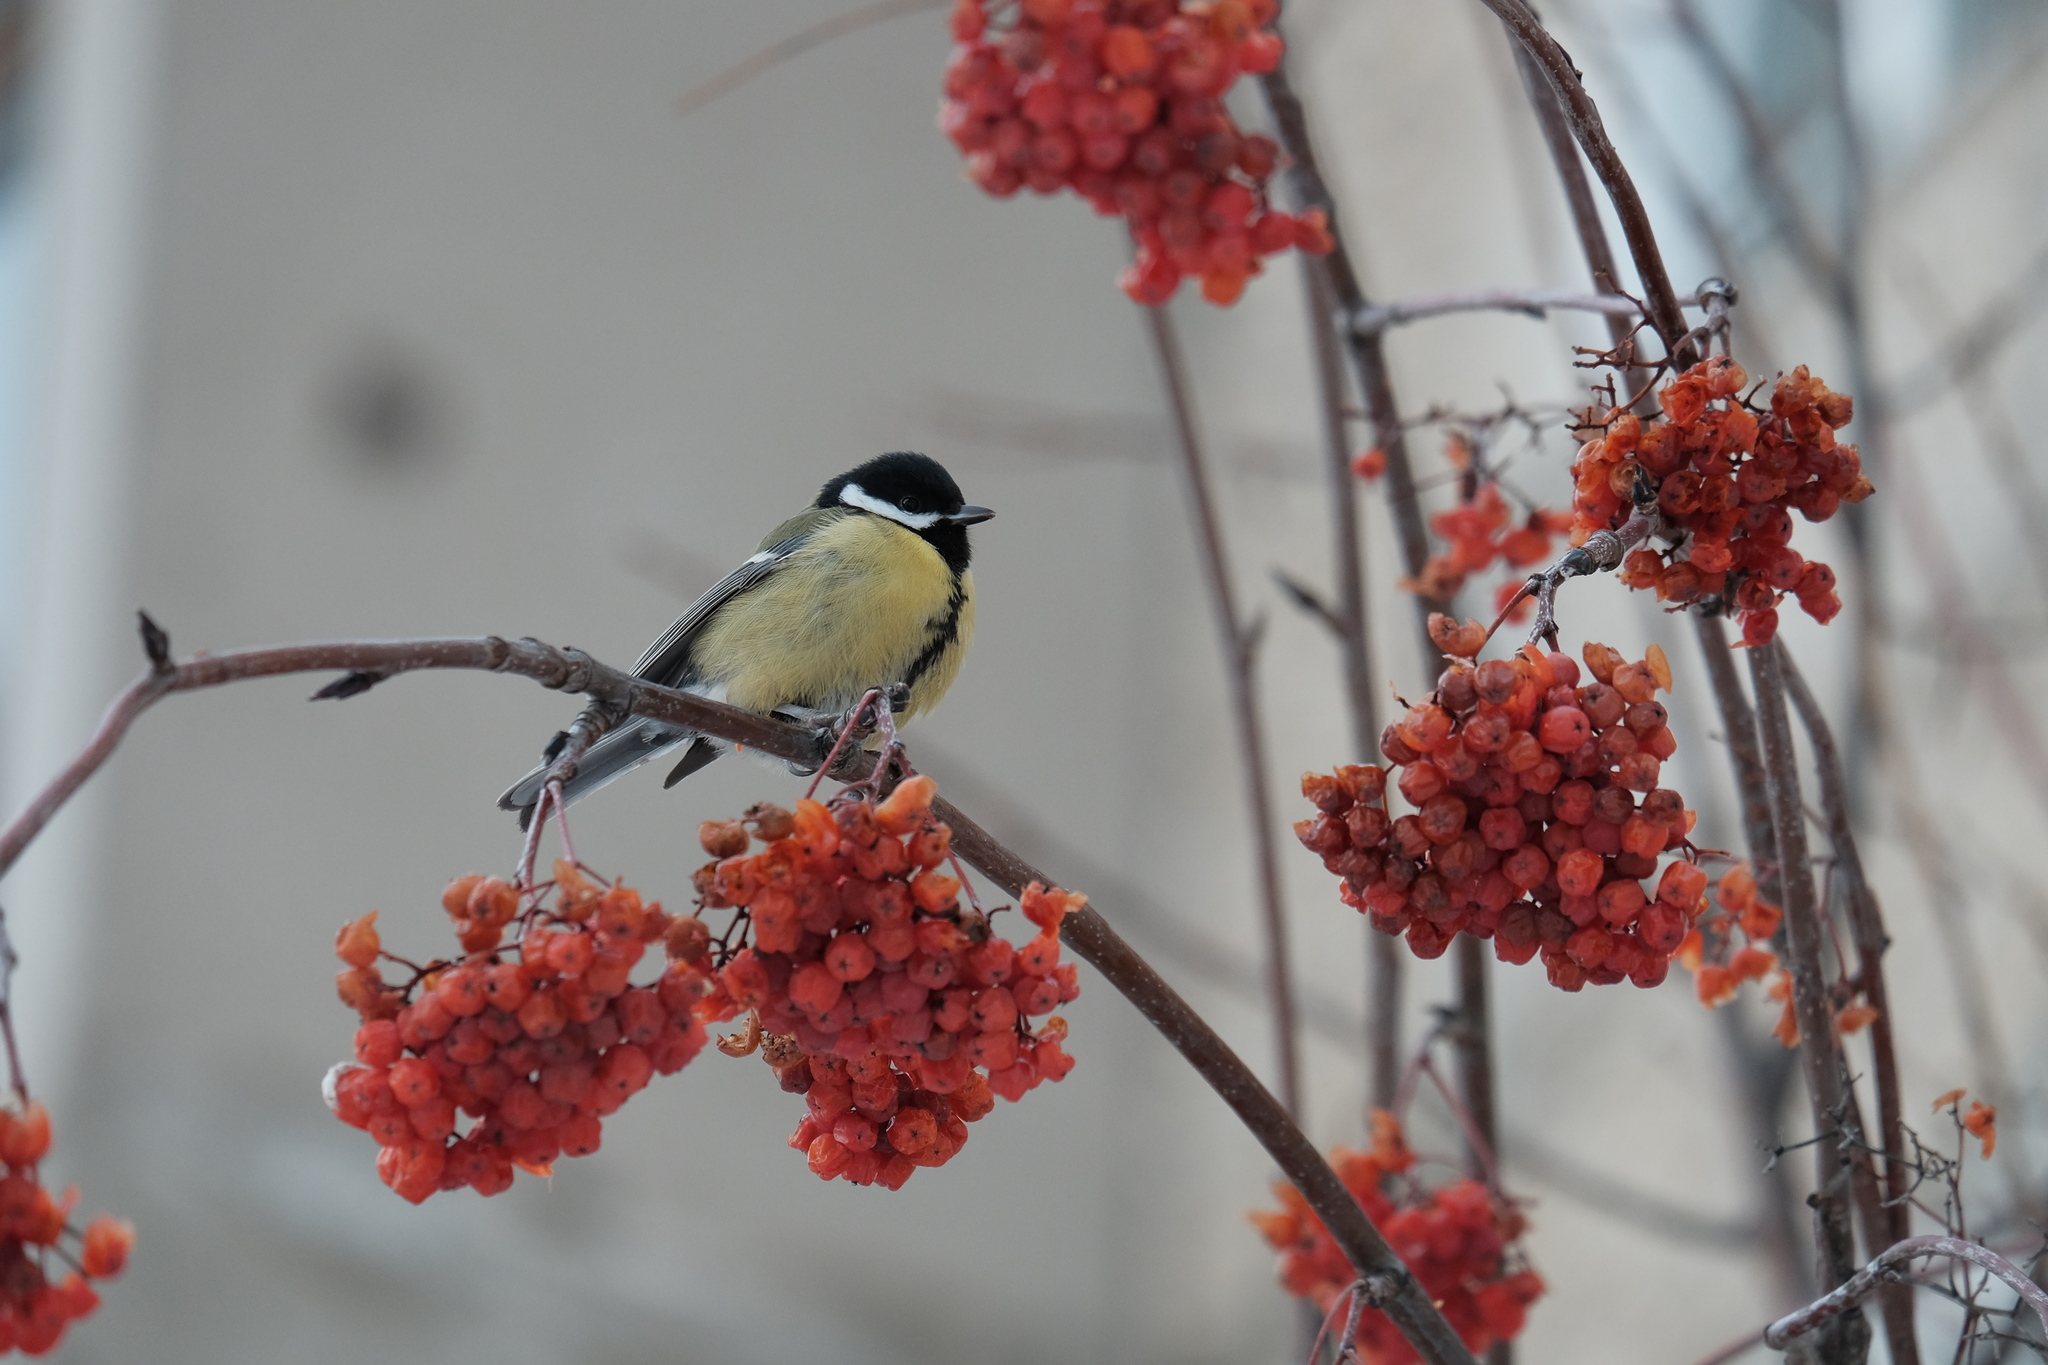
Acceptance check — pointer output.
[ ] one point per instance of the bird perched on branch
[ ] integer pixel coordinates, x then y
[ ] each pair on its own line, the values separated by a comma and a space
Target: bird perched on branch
868, 587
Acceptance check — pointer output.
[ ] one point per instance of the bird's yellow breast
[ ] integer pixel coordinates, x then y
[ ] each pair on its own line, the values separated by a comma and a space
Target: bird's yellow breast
865, 603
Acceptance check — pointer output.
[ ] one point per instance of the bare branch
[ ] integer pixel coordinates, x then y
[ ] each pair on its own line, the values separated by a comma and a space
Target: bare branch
1536, 303
1348, 622
1819, 1053
1238, 652
1091, 937
1888, 1267
1866, 922
774, 55
1584, 118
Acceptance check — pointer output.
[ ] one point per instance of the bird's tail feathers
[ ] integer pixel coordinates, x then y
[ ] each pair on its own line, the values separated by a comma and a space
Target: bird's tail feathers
612, 757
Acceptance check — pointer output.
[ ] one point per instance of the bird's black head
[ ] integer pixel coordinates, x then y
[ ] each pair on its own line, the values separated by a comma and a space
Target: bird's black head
914, 491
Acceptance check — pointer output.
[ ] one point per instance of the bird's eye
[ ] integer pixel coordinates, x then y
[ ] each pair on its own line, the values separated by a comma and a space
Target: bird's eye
909, 503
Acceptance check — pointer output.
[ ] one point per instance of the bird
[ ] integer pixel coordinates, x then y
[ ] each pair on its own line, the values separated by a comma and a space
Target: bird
866, 588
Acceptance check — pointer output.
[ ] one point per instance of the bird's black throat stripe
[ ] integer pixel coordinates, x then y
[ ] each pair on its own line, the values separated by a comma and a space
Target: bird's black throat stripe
948, 632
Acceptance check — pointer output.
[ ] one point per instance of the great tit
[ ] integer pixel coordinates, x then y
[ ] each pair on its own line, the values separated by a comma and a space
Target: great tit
867, 587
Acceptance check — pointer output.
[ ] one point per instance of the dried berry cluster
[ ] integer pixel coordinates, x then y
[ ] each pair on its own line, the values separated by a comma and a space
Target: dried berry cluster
1455, 1239
536, 1051
1479, 530
1727, 947
1122, 101
1726, 477
1528, 827
898, 1015
33, 1311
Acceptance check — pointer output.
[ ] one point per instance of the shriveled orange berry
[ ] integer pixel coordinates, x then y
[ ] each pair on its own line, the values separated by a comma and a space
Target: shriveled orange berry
357, 944
905, 808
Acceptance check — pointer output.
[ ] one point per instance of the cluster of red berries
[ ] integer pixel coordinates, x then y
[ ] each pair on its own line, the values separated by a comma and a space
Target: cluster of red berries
1536, 815
33, 1311
1122, 101
898, 1015
1454, 1239
1727, 477
535, 1051
1479, 530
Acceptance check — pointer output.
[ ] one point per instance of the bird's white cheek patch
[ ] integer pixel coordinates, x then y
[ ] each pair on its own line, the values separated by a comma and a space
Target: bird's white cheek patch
853, 495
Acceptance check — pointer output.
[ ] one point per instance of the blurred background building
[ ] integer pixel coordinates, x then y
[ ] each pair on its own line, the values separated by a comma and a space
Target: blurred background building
435, 317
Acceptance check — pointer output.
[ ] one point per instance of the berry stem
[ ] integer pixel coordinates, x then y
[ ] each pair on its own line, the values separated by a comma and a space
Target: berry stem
529, 848
838, 743
562, 822
1389, 435
8, 962
1239, 657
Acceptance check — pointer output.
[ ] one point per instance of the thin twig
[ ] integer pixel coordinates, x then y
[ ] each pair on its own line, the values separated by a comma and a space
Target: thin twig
1239, 655
1889, 1264
1535, 303
1375, 386
1368, 358
1584, 117
1348, 621
16, 1079
1866, 922
774, 55
1090, 936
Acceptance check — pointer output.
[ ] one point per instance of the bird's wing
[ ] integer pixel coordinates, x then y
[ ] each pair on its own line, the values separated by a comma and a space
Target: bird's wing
666, 660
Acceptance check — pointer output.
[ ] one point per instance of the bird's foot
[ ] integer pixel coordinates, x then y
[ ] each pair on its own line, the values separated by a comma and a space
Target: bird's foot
873, 715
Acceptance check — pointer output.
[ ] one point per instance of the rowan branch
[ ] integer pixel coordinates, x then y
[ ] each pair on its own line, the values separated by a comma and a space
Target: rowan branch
1866, 921
1242, 678
1584, 118
802, 41
1535, 303
1887, 1268
1348, 622
1404, 1299
571, 670
1819, 1052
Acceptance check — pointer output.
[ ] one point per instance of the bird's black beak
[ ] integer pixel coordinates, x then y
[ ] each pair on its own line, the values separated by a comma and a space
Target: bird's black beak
967, 516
